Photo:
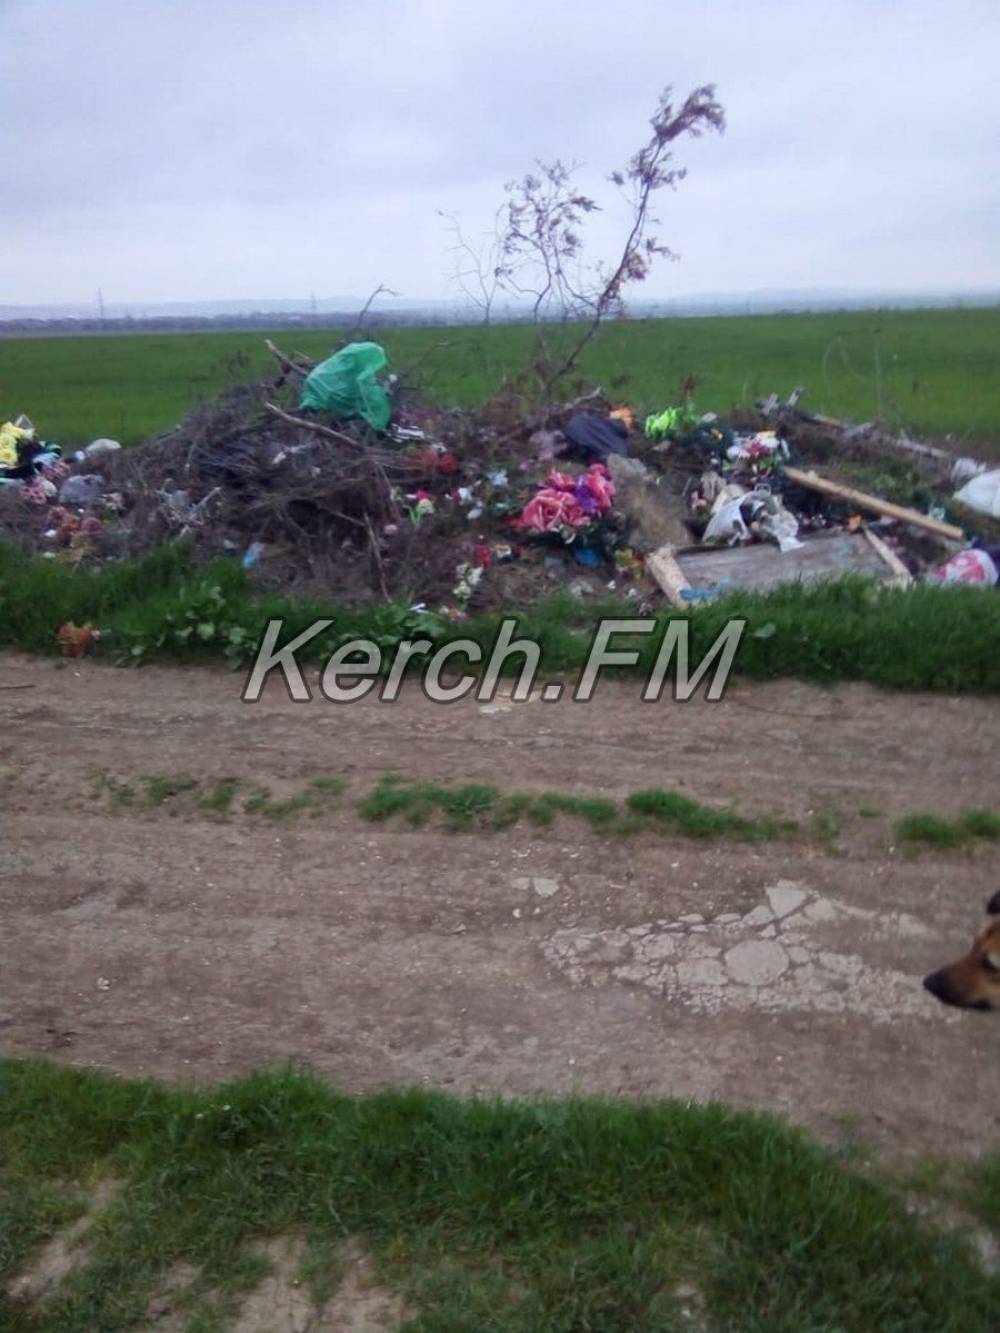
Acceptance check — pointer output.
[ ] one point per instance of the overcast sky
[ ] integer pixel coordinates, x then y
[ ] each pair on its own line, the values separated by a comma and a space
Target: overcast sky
211, 149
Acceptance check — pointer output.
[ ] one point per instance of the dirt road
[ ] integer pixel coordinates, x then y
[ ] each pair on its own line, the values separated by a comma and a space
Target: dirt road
161, 937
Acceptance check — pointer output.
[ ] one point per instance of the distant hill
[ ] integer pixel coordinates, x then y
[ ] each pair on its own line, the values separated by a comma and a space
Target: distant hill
342, 311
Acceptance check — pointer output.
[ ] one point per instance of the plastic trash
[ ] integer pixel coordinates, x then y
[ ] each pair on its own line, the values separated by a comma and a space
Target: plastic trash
964, 468
750, 448
970, 566
101, 448
587, 556
81, 490
345, 386
252, 554
669, 423
770, 517
726, 523
982, 493
592, 438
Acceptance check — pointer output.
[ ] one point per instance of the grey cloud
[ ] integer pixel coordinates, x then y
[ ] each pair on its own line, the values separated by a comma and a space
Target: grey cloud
167, 148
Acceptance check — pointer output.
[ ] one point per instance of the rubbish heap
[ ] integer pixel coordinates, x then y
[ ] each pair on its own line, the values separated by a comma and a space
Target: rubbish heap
336, 481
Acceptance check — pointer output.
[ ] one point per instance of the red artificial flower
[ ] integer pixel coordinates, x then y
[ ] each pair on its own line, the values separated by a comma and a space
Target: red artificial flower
75, 638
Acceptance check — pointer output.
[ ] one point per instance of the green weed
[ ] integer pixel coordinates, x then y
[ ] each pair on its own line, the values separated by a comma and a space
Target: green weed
928, 830
161, 789
680, 814
221, 797
850, 629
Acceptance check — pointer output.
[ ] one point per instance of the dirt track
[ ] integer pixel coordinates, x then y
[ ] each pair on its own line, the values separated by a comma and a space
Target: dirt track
175, 942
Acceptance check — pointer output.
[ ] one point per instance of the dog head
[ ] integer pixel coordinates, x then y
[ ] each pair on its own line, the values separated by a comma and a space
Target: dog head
974, 981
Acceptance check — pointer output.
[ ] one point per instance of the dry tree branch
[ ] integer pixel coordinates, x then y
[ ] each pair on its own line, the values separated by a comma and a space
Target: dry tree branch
287, 363
380, 290
313, 426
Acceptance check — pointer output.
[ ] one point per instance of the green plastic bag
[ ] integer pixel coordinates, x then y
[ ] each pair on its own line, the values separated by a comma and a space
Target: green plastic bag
345, 385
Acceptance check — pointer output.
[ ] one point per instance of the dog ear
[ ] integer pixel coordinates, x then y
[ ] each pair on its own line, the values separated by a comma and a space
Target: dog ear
993, 906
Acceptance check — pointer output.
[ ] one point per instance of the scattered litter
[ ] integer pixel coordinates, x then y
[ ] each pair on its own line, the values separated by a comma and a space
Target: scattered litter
592, 438
76, 639
966, 567
356, 489
81, 490
345, 386
98, 449
982, 493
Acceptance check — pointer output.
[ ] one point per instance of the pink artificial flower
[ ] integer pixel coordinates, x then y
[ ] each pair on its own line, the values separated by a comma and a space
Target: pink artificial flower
550, 510
600, 485
561, 481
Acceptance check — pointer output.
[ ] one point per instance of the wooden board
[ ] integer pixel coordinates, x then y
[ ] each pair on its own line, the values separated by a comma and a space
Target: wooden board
873, 504
760, 566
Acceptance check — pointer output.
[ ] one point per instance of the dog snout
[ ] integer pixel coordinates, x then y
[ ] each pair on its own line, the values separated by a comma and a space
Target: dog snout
943, 988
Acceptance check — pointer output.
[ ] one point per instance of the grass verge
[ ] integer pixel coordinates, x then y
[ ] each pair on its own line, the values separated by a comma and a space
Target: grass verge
563, 1215
927, 830
485, 807
163, 608
679, 814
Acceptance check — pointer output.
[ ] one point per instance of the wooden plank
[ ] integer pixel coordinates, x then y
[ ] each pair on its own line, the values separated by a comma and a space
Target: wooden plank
873, 504
759, 566
903, 578
662, 566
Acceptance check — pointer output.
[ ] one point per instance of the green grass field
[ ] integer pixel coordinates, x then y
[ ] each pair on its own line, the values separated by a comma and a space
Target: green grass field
554, 1217
934, 372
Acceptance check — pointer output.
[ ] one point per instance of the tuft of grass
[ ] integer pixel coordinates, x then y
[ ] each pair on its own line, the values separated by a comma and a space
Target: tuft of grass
221, 797
259, 803
463, 807
122, 793
680, 814
541, 809
982, 1191
161, 789
932, 830
929, 830
483, 807
869, 811
544, 1216
981, 824
826, 825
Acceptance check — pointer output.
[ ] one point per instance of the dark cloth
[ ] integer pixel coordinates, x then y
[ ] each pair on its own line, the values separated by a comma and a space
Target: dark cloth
591, 438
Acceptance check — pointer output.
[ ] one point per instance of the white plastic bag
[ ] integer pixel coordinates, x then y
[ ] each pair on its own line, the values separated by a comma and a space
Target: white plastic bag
982, 493
726, 523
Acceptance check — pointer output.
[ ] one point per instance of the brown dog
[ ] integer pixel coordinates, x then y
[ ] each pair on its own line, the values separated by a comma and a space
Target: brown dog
974, 981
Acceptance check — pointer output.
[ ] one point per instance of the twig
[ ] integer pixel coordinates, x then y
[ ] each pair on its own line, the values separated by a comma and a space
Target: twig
314, 426
367, 306
285, 362
377, 557
538, 419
